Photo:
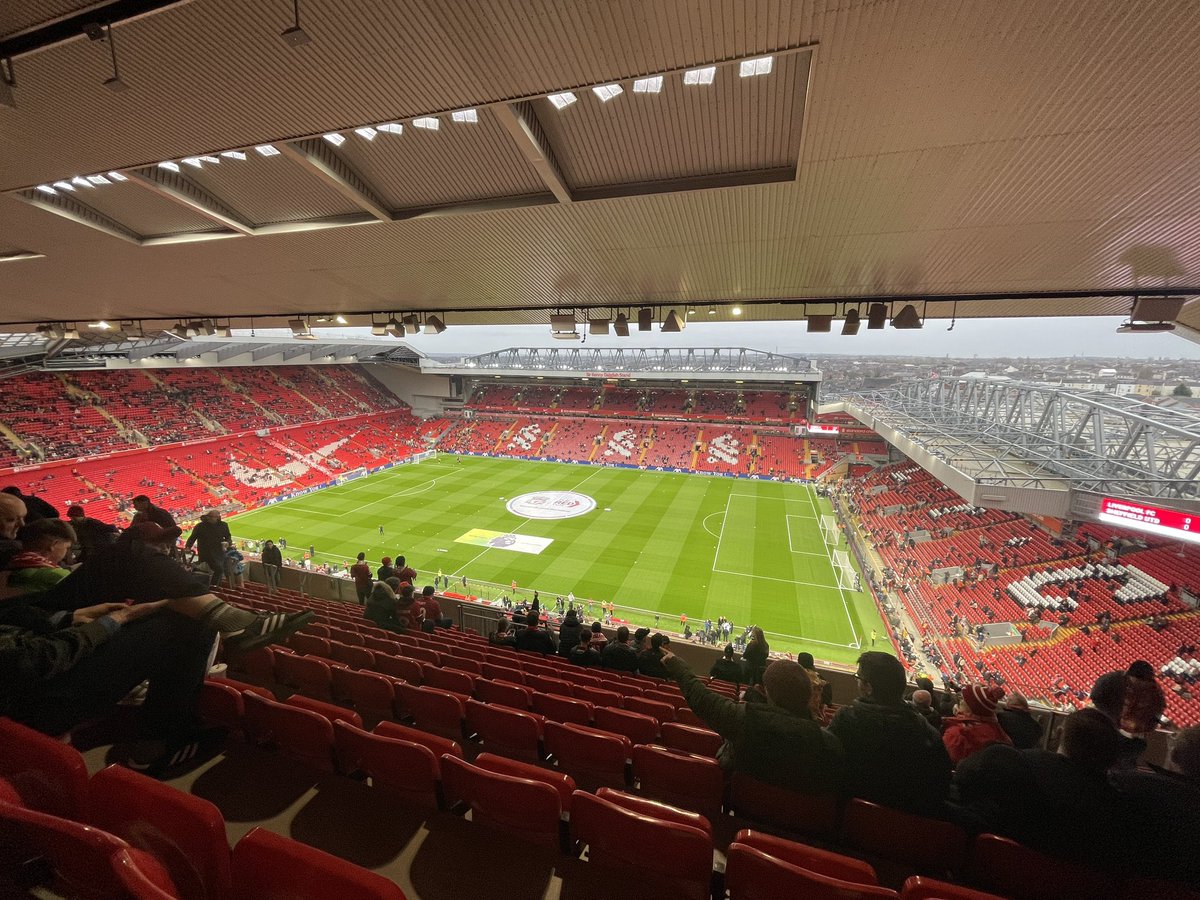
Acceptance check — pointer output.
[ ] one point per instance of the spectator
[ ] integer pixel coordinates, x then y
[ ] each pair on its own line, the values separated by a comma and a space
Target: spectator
211, 536
822, 689
893, 756
361, 573
533, 639
91, 534
39, 564
503, 636
385, 572
145, 511
12, 520
641, 640
650, 660
405, 572
272, 562
599, 638
583, 653
568, 633
405, 601
380, 607
775, 741
755, 656
922, 702
1059, 803
1167, 804
976, 727
618, 654
431, 611
35, 507
235, 566
1018, 723
728, 669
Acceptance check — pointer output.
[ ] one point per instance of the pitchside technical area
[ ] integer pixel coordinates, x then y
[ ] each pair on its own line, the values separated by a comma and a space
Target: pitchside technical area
655, 543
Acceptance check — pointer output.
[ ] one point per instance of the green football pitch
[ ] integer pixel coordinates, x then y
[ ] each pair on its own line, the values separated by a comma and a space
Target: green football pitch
653, 543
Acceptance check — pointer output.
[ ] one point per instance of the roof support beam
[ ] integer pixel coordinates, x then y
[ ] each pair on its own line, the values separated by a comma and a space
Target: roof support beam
320, 159
231, 351
71, 209
300, 350
265, 351
183, 191
521, 122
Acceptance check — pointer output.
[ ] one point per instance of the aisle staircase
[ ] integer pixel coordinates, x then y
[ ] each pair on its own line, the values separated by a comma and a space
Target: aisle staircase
698, 443
267, 414
649, 442
598, 444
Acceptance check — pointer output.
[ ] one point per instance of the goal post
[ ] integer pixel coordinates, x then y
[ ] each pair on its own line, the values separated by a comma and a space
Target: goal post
844, 569
829, 531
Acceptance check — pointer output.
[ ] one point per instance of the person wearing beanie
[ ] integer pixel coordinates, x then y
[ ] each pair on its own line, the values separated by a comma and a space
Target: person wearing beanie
772, 737
822, 695
568, 633
380, 607
977, 727
641, 640
91, 535
385, 570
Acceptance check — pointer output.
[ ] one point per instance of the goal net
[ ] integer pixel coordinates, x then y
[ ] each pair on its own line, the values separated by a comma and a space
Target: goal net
846, 576
829, 531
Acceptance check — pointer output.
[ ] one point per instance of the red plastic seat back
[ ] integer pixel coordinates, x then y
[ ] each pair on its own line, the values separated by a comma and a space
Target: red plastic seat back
423, 654
549, 685
49, 775
508, 732
306, 674
751, 874
815, 814
330, 711
561, 782
268, 866
221, 704
691, 739
142, 876
372, 695
823, 862
921, 844
405, 770
661, 712
304, 735
591, 756
920, 888
597, 696
563, 709
1020, 872
400, 667
439, 745
640, 729
355, 656
498, 672
679, 778
509, 804
448, 680
184, 833
438, 712
502, 693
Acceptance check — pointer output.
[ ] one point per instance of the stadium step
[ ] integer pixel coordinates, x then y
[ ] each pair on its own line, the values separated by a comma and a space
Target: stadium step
598, 444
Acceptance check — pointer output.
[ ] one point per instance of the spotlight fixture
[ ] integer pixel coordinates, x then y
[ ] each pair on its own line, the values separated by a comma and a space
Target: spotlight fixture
691, 312
113, 82
7, 83
72, 333
300, 329
621, 325
412, 323
434, 324
394, 327
645, 319
295, 36
50, 331
99, 326
907, 318
207, 327
340, 319
820, 324
181, 331
562, 327
876, 316
712, 310
1156, 309
737, 311
674, 322
378, 330
851, 325
598, 326
224, 331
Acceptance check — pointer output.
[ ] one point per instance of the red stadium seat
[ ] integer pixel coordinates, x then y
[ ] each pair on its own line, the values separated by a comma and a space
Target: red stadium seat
503, 765
49, 775
184, 833
356, 657
257, 665
142, 876
400, 667
679, 778
920, 888
653, 849
548, 684
914, 842
661, 712
303, 642
563, 709
593, 757
522, 807
423, 654
751, 874
461, 663
440, 746
438, 712
403, 769
496, 672
690, 738
220, 704
448, 680
307, 674
1014, 870
638, 728
330, 711
267, 866
505, 731
823, 862
815, 814
502, 693
372, 695
685, 716
305, 735
597, 696
384, 645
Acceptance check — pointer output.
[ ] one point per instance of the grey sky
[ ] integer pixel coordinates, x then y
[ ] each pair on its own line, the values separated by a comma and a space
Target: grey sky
1050, 337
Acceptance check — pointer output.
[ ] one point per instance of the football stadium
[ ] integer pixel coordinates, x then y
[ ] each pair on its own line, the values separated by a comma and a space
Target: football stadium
511, 450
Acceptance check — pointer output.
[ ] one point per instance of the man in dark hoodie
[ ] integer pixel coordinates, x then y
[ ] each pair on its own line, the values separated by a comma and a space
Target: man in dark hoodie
893, 755
775, 741
568, 633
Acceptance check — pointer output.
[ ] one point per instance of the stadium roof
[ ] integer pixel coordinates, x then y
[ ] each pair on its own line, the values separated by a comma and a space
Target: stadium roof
1040, 150
1037, 448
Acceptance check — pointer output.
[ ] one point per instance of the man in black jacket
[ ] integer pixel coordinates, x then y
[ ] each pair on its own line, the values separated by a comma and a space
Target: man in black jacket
775, 741
618, 654
728, 669
145, 511
650, 661
272, 561
1018, 723
211, 537
532, 639
893, 756
91, 534
35, 507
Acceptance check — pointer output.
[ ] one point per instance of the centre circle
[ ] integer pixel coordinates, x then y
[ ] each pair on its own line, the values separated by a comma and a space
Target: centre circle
551, 505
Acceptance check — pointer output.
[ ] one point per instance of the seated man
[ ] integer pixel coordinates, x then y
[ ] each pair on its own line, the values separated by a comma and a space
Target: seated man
650, 661
772, 736
618, 654
728, 669
532, 639
583, 653
60, 669
45, 543
1018, 722
503, 636
893, 756
139, 568
381, 606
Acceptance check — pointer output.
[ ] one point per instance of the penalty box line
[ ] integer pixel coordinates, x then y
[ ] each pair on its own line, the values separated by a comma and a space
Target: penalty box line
792, 544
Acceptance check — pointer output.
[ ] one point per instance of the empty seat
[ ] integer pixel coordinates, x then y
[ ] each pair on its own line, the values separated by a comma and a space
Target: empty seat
640, 729
372, 695
672, 700
751, 874
439, 745
448, 680
423, 654
303, 642
914, 842
647, 842
563, 709
301, 733
679, 778
689, 738
47, 774
920, 888
142, 876
502, 693
1014, 870
183, 832
400, 667
597, 696
356, 657
815, 814
268, 866
439, 712
503, 673
549, 684
383, 645
330, 711
661, 712
404, 769
516, 806
307, 674
560, 781
685, 716
824, 862
508, 732
462, 663
220, 704
593, 757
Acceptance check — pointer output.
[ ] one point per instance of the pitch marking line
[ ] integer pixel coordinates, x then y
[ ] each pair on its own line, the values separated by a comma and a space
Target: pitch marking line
792, 545
841, 590
828, 587
721, 536
784, 499
704, 523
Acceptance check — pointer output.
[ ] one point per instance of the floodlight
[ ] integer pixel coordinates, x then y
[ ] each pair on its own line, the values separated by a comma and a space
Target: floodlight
737, 311
390, 127
853, 320
562, 326
598, 326
820, 324
117, 176
1156, 309
300, 329
876, 316
434, 325
394, 327
645, 319
759, 66
267, 150
621, 325
233, 154
673, 323
907, 318
430, 123
367, 133
412, 323
46, 189
98, 180
82, 182
340, 319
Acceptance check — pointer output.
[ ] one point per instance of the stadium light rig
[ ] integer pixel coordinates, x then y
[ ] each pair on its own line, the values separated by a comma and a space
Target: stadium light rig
295, 36
907, 318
